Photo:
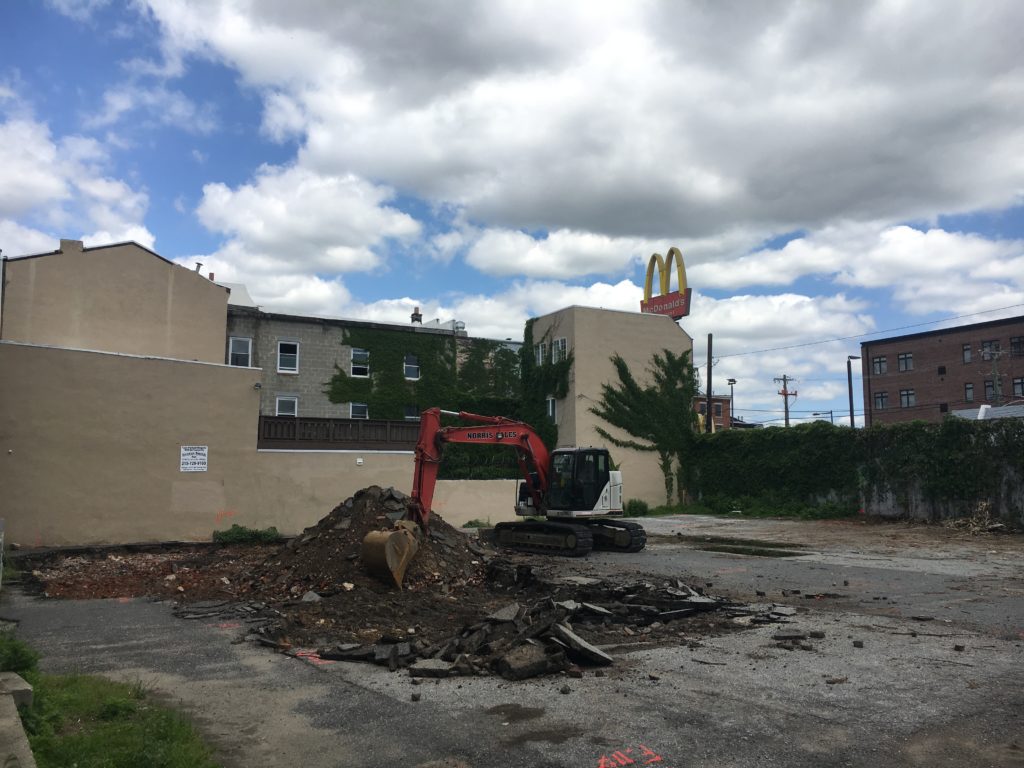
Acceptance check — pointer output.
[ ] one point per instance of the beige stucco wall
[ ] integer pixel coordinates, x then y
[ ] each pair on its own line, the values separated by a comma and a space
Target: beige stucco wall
119, 298
594, 335
90, 454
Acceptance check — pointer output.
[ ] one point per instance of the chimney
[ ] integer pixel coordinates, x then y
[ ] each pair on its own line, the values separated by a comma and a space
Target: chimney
211, 277
416, 317
71, 246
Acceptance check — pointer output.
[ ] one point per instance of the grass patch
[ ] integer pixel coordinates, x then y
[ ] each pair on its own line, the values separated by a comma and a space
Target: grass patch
239, 534
477, 523
92, 722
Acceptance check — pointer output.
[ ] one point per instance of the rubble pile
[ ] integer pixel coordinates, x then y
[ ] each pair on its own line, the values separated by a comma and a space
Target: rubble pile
325, 557
462, 611
521, 640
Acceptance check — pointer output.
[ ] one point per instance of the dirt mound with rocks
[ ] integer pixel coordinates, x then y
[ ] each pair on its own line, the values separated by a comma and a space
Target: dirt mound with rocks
325, 557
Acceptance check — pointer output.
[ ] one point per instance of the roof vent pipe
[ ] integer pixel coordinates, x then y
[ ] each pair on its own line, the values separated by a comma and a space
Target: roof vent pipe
416, 317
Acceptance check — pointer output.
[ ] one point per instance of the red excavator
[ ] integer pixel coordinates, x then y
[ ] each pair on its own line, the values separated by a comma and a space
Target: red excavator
574, 489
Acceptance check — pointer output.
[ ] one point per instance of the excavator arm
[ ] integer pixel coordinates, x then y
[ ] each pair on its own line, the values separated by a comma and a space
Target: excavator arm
530, 450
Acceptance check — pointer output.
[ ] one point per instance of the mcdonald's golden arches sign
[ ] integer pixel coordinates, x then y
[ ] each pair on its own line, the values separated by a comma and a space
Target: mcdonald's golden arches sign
675, 304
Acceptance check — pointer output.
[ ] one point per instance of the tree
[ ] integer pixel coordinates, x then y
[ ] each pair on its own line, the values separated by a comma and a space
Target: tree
659, 416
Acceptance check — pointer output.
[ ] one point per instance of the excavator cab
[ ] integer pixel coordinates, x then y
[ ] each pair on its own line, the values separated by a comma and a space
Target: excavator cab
580, 482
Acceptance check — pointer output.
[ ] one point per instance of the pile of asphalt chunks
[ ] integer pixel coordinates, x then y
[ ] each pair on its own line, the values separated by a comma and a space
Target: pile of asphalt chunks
523, 640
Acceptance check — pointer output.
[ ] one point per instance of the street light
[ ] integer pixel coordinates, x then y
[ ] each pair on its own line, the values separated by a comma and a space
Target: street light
831, 418
849, 383
732, 410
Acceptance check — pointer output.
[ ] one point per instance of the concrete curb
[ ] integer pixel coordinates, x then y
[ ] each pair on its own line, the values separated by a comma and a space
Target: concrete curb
14, 749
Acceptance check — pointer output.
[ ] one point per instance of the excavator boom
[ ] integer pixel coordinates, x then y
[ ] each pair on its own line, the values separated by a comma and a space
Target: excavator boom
530, 450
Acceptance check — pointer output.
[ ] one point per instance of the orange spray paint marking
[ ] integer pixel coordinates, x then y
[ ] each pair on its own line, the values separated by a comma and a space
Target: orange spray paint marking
224, 514
312, 657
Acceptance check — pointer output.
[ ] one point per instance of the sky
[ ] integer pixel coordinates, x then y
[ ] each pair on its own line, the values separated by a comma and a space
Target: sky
830, 171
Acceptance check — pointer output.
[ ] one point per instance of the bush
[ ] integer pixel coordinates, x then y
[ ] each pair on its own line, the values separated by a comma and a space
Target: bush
637, 508
239, 534
16, 656
477, 523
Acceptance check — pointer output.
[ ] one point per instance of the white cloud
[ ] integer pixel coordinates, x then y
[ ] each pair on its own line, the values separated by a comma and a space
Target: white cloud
79, 10
159, 104
291, 220
62, 190
650, 120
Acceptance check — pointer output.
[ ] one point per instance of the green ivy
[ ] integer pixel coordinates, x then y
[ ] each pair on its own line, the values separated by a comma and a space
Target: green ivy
825, 470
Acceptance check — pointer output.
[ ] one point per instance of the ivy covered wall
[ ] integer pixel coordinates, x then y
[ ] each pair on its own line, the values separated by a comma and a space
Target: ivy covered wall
916, 469
456, 374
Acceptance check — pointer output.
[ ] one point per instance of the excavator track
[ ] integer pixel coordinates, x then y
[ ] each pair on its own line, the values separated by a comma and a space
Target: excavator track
545, 538
615, 535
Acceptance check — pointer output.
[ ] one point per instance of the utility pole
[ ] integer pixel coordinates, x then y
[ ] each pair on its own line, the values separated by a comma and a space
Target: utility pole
997, 383
707, 416
849, 385
786, 394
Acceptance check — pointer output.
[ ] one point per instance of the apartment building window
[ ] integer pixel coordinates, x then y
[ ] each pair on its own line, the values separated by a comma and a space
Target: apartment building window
906, 361
412, 413
702, 408
990, 389
718, 409
360, 363
287, 405
967, 353
942, 370
551, 407
879, 365
559, 350
989, 348
881, 401
907, 398
1018, 387
541, 350
411, 367
240, 351
968, 393
287, 357
943, 407
1017, 346
359, 411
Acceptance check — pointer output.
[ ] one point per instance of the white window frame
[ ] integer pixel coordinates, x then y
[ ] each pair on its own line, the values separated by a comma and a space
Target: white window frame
552, 408
287, 370
286, 398
415, 413
969, 392
248, 351
352, 411
406, 365
559, 350
541, 352
352, 364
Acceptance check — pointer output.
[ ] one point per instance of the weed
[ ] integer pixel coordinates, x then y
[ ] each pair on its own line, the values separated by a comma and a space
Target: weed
239, 534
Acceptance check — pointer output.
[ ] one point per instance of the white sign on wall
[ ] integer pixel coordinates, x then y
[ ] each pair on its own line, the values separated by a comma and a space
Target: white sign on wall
193, 458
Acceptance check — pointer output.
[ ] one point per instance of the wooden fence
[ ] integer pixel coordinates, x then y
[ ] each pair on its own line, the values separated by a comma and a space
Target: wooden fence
306, 434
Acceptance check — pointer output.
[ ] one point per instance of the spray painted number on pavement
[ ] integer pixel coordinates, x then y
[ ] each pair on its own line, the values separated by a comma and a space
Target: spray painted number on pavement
621, 757
194, 458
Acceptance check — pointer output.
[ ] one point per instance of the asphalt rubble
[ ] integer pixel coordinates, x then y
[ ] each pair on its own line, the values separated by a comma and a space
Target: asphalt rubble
517, 616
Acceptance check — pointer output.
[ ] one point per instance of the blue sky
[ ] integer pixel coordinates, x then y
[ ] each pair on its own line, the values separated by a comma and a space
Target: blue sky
828, 170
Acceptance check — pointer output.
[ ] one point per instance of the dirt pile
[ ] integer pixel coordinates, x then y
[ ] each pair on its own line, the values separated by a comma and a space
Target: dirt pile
325, 557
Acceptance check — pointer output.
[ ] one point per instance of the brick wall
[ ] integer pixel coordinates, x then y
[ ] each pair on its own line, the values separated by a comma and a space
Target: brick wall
940, 373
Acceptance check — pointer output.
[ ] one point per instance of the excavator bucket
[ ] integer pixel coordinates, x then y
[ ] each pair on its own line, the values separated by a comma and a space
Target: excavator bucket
388, 553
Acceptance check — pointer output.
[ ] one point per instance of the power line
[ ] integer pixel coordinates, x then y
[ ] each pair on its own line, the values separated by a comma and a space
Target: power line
865, 335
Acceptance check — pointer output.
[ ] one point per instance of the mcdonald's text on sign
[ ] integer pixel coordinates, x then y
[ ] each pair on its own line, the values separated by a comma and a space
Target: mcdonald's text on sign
675, 304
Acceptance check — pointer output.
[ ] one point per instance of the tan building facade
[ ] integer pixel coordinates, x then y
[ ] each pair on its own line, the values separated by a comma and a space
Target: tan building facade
114, 298
592, 336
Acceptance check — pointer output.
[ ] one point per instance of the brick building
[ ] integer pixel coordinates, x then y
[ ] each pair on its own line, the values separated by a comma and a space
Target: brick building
925, 376
299, 354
